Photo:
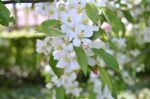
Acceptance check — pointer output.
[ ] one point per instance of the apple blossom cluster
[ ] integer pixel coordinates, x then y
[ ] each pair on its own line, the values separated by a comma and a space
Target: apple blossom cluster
77, 29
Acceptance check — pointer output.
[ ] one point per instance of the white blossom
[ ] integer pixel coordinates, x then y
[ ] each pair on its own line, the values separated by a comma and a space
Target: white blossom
97, 86
100, 3
47, 9
120, 42
44, 46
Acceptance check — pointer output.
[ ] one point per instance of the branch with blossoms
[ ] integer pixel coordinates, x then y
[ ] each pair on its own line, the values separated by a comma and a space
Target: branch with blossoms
74, 45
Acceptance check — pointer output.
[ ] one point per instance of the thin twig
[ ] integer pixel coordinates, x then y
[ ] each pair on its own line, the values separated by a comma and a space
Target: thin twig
25, 1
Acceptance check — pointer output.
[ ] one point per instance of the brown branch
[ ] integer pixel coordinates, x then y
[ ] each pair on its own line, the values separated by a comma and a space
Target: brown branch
25, 1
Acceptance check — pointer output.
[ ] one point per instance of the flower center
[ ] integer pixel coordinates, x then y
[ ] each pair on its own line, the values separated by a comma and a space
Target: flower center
59, 47
69, 19
51, 12
73, 29
85, 21
61, 7
80, 35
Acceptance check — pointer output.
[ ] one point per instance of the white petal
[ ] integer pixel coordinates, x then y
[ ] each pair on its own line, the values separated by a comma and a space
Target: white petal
72, 55
76, 17
72, 77
62, 63
74, 65
86, 41
97, 44
40, 43
64, 28
69, 47
71, 35
56, 81
89, 52
91, 61
76, 42
58, 54
79, 28
76, 92
89, 30
41, 46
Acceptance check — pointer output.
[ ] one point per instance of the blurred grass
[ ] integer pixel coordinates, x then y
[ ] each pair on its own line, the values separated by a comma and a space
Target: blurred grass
25, 92
20, 75
17, 49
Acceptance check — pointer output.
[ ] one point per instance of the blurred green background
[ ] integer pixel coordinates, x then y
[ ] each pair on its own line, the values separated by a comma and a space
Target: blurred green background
20, 74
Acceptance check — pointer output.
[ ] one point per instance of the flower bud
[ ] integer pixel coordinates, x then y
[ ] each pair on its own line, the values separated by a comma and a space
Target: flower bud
106, 27
84, 45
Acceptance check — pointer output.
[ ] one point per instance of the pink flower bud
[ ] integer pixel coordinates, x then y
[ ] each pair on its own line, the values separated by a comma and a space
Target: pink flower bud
85, 46
106, 27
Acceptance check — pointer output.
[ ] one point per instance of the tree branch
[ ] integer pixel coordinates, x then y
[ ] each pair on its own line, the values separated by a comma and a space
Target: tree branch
25, 1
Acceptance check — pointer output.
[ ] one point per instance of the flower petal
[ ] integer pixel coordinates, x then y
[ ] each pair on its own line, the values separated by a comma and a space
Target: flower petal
62, 63
76, 42
91, 61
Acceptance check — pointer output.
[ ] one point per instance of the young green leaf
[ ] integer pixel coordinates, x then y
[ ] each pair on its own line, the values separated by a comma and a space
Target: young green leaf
50, 27
128, 16
99, 34
92, 95
53, 63
108, 58
4, 15
108, 80
105, 78
51, 23
60, 93
113, 20
92, 12
82, 59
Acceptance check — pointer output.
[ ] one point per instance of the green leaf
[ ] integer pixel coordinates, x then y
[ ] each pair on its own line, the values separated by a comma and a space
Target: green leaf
103, 35
95, 35
50, 27
53, 63
92, 95
113, 20
60, 93
51, 23
92, 12
108, 58
12, 19
105, 78
128, 16
100, 34
82, 59
4, 15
